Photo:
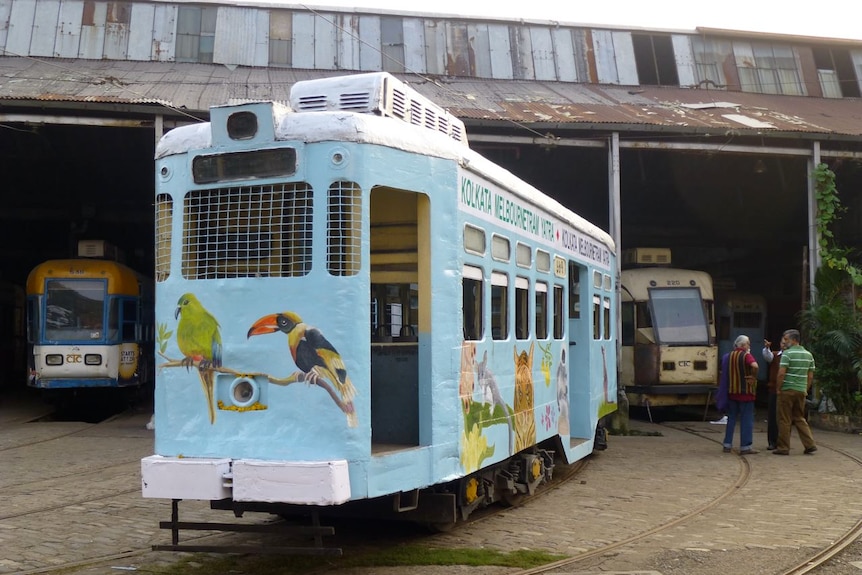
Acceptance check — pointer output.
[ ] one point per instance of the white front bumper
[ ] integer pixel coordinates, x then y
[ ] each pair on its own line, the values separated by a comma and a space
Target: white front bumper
297, 482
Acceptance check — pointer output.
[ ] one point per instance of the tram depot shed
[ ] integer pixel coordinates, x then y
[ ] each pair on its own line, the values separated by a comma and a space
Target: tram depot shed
703, 141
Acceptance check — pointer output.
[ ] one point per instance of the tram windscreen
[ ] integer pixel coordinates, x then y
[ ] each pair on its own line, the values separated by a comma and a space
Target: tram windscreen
678, 317
74, 310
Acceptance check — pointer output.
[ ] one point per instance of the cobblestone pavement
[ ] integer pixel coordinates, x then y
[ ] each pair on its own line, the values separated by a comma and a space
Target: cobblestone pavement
71, 493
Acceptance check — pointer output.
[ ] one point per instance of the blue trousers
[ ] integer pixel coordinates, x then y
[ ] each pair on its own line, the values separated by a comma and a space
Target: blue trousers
742, 411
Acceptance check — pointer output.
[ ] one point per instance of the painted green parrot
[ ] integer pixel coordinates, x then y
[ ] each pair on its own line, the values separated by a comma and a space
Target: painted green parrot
199, 341
312, 353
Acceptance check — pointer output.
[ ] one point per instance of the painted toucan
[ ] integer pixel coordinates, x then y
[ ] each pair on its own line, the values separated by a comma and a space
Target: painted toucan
312, 353
199, 341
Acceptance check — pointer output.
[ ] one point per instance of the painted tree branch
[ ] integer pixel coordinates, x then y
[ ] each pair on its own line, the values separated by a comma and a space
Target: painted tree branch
311, 378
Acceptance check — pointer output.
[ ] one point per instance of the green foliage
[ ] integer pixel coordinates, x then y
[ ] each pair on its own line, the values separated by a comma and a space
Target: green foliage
829, 210
831, 324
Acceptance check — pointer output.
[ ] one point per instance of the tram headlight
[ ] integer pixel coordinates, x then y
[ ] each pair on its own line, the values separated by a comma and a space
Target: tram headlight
54, 359
93, 359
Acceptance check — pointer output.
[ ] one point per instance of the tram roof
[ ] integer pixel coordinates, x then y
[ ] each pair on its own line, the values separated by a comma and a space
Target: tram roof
312, 127
637, 282
121, 279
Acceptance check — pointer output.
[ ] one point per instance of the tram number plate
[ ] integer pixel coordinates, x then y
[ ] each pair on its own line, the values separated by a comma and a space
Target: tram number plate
559, 267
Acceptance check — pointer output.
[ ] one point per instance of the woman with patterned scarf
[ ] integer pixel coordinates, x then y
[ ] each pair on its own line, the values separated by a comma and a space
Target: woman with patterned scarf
739, 378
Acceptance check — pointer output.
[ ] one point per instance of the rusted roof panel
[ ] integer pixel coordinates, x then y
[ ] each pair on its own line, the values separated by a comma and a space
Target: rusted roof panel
551, 105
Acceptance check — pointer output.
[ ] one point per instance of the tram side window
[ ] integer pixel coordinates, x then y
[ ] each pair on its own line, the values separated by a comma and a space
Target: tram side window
499, 306
606, 316
597, 317
343, 229
33, 320
113, 320
559, 314
522, 308
471, 305
627, 315
541, 310
574, 295
644, 318
164, 222
747, 319
130, 320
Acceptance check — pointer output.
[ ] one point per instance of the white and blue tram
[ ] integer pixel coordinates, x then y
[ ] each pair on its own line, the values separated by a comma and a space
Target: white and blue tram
89, 326
353, 305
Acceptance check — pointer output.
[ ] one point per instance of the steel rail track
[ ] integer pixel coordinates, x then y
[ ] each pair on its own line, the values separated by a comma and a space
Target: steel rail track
839, 544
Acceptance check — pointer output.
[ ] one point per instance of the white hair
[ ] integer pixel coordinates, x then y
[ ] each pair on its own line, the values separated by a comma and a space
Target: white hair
740, 341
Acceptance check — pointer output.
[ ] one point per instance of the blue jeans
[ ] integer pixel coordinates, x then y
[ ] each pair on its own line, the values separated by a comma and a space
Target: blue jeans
743, 411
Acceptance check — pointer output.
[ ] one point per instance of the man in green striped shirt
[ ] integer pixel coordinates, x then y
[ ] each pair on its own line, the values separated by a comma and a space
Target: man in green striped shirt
795, 377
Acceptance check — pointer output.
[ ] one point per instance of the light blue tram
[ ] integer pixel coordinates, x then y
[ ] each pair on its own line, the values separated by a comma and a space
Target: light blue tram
353, 306
741, 313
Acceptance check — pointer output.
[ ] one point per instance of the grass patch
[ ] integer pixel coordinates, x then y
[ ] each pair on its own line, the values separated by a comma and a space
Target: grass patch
399, 556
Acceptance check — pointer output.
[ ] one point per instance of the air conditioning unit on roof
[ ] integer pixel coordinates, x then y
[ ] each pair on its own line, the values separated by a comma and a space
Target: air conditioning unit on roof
98, 249
634, 257
377, 93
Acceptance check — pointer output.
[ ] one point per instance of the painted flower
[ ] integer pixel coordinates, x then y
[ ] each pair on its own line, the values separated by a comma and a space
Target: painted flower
549, 417
474, 449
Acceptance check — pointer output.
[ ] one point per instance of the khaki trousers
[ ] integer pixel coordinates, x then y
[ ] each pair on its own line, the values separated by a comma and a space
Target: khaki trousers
791, 412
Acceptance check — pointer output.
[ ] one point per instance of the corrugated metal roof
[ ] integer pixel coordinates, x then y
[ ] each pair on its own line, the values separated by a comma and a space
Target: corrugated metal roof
196, 87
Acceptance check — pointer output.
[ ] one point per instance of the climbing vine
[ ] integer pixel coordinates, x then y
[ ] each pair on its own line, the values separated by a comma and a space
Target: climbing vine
829, 210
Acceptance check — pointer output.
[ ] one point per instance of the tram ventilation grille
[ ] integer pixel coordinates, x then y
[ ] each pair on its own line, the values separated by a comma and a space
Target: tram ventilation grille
378, 93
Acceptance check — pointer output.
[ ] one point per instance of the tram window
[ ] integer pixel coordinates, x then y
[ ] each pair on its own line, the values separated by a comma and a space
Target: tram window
474, 240
522, 308
500, 248
472, 300
343, 229
541, 310
559, 315
644, 319
130, 320
574, 292
113, 320
606, 316
678, 316
597, 280
608, 283
74, 309
748, 319
33, 320
597, 317
499, 306
164, 222
543, 261
627, 316
251, 231
523, 255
